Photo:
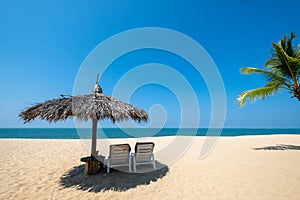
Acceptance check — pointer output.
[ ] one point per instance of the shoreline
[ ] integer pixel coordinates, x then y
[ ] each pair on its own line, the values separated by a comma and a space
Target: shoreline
160, 136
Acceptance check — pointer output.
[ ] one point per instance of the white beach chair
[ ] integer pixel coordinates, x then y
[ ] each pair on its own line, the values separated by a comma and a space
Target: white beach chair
119, 155
143, 154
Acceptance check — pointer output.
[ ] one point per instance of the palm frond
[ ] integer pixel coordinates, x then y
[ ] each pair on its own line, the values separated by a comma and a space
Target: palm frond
268, 75
289, 46
251, 70
271, 62
287, 68
279, 84
251, 96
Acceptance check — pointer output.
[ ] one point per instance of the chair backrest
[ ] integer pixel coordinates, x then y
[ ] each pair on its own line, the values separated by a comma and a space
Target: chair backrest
119, 154
143, 151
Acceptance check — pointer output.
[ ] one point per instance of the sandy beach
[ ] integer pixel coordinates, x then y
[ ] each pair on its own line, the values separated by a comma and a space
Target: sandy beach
246, 167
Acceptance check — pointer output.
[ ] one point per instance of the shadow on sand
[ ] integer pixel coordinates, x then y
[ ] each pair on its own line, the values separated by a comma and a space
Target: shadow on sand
279, 147
115, 180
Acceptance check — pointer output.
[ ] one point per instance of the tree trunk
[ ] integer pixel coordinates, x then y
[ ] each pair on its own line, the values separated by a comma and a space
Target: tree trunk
296, 92
297, 96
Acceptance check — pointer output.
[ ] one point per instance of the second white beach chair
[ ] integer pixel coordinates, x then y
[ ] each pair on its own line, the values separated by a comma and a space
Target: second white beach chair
143, 154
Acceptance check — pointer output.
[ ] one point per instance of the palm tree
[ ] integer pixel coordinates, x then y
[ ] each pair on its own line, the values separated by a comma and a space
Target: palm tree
281, 71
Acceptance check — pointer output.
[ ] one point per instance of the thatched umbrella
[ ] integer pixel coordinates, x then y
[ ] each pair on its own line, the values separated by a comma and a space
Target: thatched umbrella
96, 106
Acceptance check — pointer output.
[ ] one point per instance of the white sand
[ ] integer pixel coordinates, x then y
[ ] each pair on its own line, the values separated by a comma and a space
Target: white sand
50, 169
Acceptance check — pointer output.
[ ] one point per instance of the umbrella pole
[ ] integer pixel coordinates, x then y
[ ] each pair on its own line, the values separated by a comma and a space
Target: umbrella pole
94, 137
91, 163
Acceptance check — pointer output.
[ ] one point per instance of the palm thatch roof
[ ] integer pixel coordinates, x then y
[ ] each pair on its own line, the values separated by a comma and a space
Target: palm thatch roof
91, 106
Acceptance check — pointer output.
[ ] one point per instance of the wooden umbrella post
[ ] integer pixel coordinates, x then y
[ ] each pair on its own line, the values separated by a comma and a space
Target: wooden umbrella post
91, 163
93, 168
94, 137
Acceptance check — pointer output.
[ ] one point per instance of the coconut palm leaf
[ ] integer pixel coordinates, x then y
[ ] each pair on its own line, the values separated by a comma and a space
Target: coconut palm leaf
287, 68
267, 74
271, 77
286, 44
252, 95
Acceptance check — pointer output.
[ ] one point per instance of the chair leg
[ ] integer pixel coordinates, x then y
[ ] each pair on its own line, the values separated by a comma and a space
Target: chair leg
129, 163
134, 163
108, 167
153, 160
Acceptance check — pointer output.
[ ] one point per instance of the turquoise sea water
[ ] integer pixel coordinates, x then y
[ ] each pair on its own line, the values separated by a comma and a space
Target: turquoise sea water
72, 133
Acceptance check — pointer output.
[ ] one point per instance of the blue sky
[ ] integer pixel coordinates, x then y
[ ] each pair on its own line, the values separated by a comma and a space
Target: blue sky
44, 43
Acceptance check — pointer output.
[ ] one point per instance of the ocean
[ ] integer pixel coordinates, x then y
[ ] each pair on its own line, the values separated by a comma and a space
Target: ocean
72, 133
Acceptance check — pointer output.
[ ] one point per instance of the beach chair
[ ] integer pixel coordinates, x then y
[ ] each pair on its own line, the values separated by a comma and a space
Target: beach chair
119, 155
143, 154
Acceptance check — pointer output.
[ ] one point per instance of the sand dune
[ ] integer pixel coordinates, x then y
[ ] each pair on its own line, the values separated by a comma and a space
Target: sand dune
249, 167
